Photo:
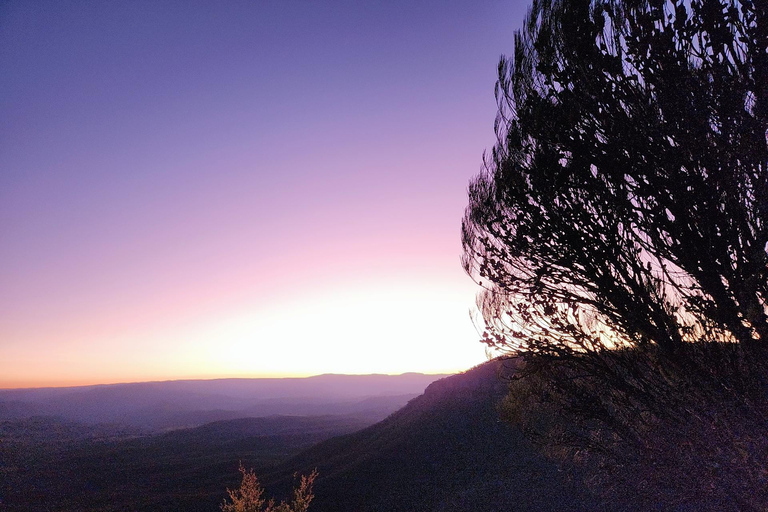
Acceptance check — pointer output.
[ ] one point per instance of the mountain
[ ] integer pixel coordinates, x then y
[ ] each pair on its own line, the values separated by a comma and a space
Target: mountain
446, 450
188, 403
173, 445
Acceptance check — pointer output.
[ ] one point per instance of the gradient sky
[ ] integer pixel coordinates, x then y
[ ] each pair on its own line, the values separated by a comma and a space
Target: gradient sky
210, 189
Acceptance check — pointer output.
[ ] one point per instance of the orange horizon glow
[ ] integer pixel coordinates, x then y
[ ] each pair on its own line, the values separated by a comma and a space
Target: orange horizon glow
44, 384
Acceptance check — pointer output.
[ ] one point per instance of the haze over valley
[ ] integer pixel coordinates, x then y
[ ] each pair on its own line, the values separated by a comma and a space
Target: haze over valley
379, 442
173, 404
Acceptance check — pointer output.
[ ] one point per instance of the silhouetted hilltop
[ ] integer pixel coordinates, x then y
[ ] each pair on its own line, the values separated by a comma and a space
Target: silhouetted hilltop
446, 450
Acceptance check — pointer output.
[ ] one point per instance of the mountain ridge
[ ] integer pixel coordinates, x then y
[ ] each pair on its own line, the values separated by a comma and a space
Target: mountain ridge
446, 450
169, 404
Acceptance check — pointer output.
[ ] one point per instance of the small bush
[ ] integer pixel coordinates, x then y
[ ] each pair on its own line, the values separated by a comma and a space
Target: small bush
249, 496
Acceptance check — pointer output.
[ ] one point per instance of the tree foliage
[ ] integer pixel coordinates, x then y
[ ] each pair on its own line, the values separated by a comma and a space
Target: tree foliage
249, 496
625, 203
619, 230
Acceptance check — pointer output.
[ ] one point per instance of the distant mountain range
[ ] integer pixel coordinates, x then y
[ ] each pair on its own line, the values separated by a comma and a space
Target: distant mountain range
188, 403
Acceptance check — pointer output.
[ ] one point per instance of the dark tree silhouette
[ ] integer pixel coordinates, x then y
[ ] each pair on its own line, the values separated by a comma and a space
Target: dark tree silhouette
625, 203
619, 231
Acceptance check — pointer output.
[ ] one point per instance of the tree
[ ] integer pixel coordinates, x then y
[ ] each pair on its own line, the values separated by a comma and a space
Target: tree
625, 203
619, 226
248, 497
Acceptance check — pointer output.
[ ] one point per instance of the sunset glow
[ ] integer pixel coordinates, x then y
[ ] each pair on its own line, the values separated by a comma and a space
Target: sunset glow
197, 190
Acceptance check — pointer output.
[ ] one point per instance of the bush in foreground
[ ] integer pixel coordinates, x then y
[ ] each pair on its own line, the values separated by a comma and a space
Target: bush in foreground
249, 496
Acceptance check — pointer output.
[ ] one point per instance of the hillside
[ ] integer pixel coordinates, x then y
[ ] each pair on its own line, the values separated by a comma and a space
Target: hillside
446, 450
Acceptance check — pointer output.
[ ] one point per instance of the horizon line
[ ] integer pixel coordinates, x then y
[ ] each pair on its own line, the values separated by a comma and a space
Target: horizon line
89, 383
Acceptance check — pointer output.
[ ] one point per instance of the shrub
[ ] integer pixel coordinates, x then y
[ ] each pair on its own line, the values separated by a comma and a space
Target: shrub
249, 496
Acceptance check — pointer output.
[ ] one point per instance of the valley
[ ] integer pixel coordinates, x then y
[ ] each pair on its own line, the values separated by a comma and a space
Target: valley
444, 449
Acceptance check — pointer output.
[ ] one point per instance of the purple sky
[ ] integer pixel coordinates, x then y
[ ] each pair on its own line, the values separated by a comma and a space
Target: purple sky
206, 189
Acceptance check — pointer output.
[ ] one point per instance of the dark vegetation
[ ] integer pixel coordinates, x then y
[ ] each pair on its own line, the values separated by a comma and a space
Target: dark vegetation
703, 446
182, 470
620, 232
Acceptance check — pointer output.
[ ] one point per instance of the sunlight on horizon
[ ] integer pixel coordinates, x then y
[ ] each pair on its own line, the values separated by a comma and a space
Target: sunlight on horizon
388, 329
